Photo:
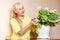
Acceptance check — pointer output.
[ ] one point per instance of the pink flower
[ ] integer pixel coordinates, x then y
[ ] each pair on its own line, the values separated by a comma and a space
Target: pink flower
46, 8
54, 10
38, 7
51, 11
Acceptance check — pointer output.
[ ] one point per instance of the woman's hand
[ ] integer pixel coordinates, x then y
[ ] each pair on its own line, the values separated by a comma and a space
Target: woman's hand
35, 21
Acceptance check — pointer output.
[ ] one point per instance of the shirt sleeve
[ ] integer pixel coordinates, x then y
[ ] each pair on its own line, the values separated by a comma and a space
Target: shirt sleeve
15, 26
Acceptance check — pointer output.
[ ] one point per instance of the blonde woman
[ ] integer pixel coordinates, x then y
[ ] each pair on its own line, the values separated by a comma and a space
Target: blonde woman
20, 23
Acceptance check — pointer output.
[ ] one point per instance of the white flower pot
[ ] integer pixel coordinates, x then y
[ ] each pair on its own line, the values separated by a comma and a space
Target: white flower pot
43, 32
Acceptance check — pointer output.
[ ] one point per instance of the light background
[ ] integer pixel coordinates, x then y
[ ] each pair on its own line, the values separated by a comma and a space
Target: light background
30, 10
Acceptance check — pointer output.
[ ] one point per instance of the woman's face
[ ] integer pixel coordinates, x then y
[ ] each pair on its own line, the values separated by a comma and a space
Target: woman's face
19, 10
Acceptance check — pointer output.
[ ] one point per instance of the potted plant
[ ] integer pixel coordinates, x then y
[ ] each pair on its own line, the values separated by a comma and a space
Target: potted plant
47, 19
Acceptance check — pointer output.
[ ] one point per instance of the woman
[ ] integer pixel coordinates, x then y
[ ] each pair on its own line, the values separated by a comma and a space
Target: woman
20, 23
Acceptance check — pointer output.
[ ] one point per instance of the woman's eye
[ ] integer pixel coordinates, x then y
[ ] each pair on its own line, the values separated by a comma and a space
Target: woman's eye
22, 8
19, 9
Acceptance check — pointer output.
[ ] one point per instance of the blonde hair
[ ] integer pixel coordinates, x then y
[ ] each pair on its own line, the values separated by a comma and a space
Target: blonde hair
14, 14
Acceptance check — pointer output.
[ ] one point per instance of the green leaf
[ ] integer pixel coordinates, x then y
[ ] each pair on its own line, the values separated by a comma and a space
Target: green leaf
39, 25
46, 17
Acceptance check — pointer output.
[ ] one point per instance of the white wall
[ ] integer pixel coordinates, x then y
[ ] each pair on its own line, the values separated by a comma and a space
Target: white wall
30, 10
5, 6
